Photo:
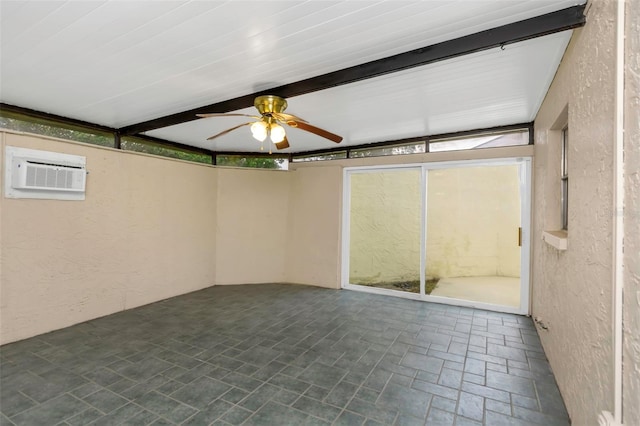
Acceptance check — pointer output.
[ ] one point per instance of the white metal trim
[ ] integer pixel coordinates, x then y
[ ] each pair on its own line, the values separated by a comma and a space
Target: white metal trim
525, 224
423, 230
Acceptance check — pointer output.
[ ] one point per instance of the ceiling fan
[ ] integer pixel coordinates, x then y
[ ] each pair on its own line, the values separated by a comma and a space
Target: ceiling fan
269, 122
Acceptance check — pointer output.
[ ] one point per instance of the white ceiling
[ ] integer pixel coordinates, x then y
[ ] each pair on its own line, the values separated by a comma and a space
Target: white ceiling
116, 63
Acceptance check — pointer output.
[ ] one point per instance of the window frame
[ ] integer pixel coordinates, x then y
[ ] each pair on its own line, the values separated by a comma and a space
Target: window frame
564, 178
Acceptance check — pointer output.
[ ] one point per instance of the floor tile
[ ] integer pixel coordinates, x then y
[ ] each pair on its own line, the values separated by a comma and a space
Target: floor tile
423, 362
142, 418
210, 413
511, 383
536, 417
384, 415
51, 412
498, 419
236, 415
200, 392
275, 414
105, 401
259, 397
438, 417
322, 375
317, 408
497, 406
284, 354
84, 418
341, 394
408, 420
235, 395
166, 407
471, 406
13, 403
347, 418
406, 400
241, 381
119, 416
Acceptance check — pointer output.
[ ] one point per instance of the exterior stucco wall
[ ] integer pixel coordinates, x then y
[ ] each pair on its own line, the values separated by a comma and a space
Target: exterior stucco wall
473, 215
145, 232
385, 226
252, 217
631, 347
572, 289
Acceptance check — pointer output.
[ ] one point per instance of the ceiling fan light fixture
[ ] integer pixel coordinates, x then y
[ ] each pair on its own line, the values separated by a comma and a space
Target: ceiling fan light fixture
270, 123
277, 133
259, 130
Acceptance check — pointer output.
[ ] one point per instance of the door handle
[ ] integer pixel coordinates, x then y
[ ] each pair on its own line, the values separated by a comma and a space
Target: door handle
520, 237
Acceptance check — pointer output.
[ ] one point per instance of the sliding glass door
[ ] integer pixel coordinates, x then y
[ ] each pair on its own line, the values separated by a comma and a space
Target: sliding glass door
385, 226
446, 232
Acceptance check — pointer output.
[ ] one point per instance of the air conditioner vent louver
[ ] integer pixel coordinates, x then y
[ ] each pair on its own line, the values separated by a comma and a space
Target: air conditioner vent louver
33, 175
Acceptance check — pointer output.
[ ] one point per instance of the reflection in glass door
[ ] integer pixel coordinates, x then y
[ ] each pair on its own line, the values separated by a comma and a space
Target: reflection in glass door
385, 228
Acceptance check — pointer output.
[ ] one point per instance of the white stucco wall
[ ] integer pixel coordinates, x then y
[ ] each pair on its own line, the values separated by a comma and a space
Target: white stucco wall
631, 347
145, 232
153, 228
314, 225
252, 225
572, 289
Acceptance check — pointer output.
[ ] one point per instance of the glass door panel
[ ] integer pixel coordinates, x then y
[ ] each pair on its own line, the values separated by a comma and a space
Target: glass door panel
385, 222
473, 234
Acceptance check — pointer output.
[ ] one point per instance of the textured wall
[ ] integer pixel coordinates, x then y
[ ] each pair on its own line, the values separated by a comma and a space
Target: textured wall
313, 251
144, 233
385, 226
572, 290
314, 245
150, 231
252, 215
631, 365
473, 215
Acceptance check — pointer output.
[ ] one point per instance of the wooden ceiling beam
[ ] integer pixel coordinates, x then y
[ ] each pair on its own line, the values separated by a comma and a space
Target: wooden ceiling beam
538, 26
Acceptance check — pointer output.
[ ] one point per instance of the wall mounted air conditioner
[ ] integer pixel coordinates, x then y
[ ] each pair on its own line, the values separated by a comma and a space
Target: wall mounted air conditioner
44, 175
47, 177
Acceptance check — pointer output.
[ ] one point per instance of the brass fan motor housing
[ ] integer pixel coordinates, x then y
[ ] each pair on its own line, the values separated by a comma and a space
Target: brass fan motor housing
269, 103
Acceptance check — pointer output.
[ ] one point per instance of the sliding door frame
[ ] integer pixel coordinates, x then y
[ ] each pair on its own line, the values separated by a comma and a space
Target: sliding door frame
524, 167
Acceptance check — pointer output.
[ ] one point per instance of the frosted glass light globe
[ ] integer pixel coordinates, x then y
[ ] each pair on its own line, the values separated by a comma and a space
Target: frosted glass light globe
277, 133
259, 130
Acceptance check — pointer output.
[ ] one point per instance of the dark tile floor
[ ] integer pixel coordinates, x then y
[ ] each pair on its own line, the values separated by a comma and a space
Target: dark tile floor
284, 355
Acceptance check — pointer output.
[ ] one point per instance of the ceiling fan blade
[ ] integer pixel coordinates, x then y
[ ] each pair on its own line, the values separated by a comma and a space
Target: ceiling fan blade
229, 130
281, 116
284, 144
316, 130
215, 114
